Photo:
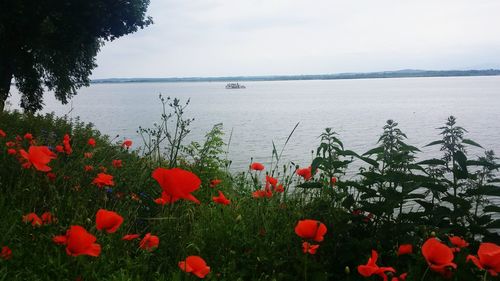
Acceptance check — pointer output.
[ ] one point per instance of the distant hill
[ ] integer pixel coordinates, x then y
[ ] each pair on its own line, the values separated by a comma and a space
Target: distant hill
382, 74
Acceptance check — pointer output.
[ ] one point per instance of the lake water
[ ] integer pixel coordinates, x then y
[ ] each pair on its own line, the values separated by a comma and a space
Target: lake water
267, 111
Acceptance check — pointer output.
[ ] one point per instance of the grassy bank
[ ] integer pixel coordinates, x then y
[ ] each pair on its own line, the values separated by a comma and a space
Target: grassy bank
257, 236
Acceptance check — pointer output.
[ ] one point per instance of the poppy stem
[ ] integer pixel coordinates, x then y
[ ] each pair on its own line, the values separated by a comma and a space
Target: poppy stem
425, 273
305, 267
485, 275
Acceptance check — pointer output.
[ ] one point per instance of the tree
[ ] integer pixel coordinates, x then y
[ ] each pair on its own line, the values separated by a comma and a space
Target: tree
52, 44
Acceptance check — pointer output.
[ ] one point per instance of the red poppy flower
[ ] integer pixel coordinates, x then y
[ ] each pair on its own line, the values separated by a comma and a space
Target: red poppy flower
262, 193
10, 144
88, 168
149, 242
306, 173
272, 181
177, 183
256, 166
439, 257
489, 258
279, 188
2, 134
108, 220
91, 142
401, 277
67, 145
127, 144
333, 180
371, 268
458, 242
103, 179
59, 148
11, 151
28, 136
78, 242
195, 265
51, 176
215, 182
405, 249
311, 229
309, 248
117, 163
39, 157
34, 219
221, 199
47, 218
129, 237
6, 253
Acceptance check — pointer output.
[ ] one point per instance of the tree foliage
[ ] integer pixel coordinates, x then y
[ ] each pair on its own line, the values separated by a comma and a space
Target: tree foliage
52, 44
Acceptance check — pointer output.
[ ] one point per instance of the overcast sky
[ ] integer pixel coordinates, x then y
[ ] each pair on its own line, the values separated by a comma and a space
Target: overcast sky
265, 37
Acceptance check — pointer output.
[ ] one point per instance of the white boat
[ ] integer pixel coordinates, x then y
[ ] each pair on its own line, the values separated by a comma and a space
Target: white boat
234, 86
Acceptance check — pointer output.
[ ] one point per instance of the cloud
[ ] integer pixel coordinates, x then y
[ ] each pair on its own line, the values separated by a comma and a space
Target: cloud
257, 37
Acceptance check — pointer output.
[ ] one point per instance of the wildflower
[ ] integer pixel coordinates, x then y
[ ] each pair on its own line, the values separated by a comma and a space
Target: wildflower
11, 151
39, 157
279, 188
262, 193
306, 173
272, 181
108, 220
149, 242
88, 155
401, 277
67, 145
78, 242
59, 148
127, 144
88, 168
28, 136
103, 179
489, 258
129, 237
177, 184
405, 249
311, 229
458, 242
6, 252
2, 134
371, 267
195, 265
91, 142
309, 248
221, 199
117, 163
33, 218
215, 182
256, 166
439, 257
51, 176
47, 218
333, 180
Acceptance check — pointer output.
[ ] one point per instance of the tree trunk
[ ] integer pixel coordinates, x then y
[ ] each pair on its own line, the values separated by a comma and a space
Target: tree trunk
5, 80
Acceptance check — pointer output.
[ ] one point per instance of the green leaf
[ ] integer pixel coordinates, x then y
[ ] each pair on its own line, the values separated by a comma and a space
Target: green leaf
494, 224
492, 209
375, 150
315, 164
433, 161
308, 185
471, 142
435, 143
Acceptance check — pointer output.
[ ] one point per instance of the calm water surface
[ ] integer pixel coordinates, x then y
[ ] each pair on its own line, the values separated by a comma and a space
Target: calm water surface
267, 111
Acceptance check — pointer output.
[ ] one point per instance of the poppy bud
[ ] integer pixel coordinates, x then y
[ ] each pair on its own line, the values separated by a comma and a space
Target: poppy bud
347, 270
433, 234
238, 218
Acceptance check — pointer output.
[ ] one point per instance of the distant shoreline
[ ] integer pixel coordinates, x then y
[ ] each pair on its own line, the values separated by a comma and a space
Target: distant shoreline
369, 75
